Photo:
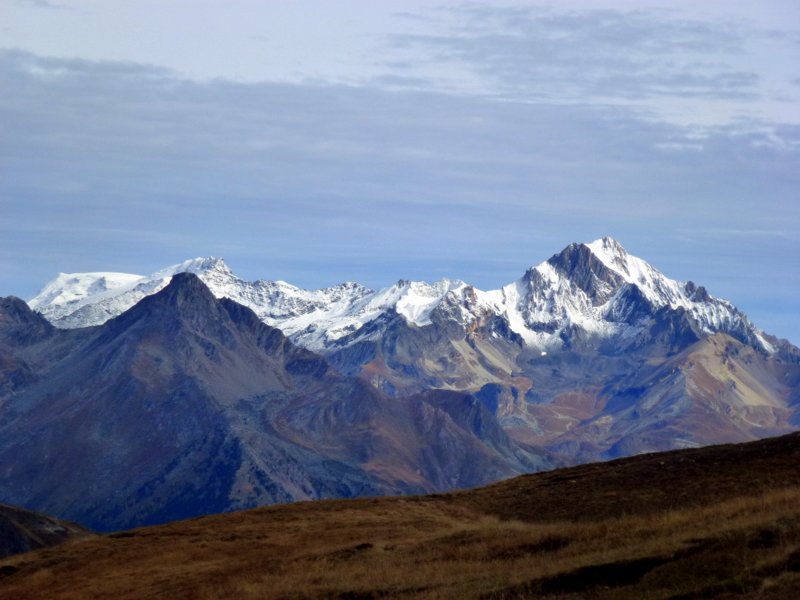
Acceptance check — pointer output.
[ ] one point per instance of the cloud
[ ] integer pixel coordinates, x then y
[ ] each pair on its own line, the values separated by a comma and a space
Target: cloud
318, 184
544, 53
43, 4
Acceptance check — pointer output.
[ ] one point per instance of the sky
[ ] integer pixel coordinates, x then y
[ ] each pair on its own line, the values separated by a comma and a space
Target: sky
318, 142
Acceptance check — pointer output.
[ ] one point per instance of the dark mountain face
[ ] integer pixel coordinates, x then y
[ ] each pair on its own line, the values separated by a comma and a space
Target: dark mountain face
583, 268
23, 530
20, 331
19, 325
188, 405
403, 359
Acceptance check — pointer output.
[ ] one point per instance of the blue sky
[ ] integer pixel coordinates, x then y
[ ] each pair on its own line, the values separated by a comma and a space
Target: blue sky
319, 142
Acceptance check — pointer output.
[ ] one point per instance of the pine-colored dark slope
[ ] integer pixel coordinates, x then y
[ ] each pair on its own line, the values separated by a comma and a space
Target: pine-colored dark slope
721, 522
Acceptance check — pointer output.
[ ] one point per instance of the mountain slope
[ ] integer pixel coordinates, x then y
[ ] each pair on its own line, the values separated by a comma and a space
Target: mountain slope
23, 531
718, 522
186, 404
591, 354
588, 405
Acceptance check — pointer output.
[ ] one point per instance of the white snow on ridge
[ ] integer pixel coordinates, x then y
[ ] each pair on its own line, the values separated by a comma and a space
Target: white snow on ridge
543, 302
538, 306
322, 317
415, 300
75, 300
72, 288
658, 288
713, 314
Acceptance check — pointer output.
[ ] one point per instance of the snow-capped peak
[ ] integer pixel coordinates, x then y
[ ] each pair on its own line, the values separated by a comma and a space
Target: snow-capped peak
414, 300
656, 287
611, 252
71, 288
84, 299
589, 286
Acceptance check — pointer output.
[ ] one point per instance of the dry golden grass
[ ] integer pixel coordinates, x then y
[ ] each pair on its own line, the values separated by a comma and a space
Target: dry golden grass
419, 548
455, 546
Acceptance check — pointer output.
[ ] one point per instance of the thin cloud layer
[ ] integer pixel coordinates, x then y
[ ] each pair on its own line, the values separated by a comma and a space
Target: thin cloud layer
42, 4
641, 58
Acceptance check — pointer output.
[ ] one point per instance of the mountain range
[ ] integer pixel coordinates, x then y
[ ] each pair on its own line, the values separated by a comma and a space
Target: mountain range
192, 391
592, 322
187, 404
587, 290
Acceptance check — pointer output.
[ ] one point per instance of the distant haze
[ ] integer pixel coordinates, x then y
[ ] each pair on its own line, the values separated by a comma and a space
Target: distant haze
319, 142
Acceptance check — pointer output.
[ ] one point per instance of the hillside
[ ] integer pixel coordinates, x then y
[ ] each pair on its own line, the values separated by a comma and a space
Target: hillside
718, 522
24, 530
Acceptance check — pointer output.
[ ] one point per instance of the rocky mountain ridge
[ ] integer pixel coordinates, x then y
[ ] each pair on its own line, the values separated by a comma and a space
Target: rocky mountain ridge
597, 289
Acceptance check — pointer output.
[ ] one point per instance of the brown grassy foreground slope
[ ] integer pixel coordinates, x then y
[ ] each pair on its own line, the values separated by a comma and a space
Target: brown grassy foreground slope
716, 522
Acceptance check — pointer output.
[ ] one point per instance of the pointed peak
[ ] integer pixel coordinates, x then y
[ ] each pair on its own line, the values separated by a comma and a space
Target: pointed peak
574, 256
185, 299
611, 253
186, 284
597, 275
211, 263
607, 247
184, 290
